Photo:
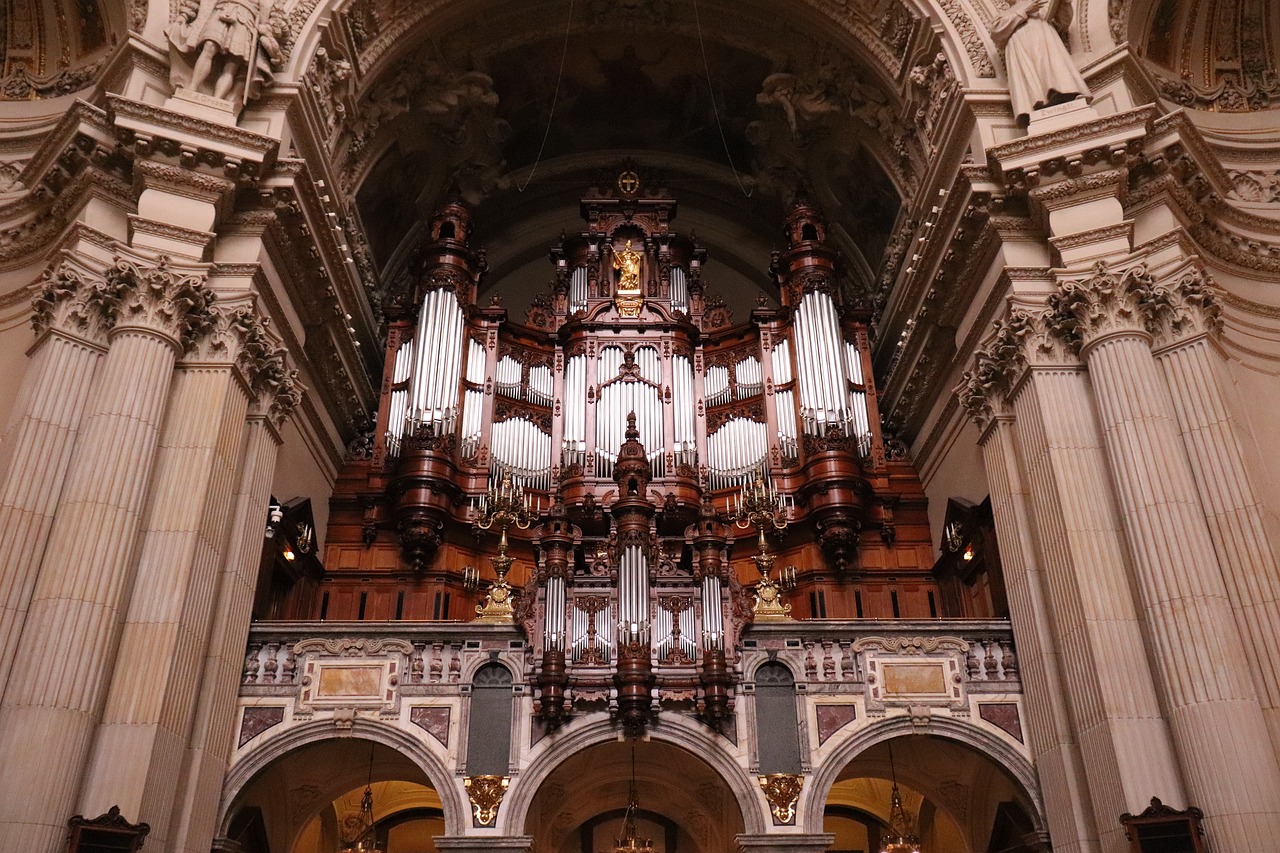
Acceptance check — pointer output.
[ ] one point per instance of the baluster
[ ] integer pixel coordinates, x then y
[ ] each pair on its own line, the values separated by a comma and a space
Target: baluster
828, 662
455, 664
1009, 662
288, 666
437, 662
810, 662
851, 672
992, 666
416, 664
972, 663
252, 664
270, 664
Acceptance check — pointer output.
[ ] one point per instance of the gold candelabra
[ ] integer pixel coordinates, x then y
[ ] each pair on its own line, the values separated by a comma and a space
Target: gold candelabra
762, 506
504, 506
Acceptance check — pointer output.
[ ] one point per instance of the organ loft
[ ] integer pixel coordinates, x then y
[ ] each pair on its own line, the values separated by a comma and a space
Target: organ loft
628, 472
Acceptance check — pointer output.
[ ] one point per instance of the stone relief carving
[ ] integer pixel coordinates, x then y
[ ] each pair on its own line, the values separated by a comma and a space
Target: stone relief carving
1242, 93
21, 85
973, 44
1037, 61
1255, 187
227, 49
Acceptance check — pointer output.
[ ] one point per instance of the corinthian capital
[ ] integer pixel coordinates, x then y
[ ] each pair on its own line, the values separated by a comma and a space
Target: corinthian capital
152, 296
1106, 303
1020, 341
66, 299
1185, 308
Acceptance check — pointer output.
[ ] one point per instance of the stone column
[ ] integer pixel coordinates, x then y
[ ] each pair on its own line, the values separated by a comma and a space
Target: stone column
1189, 361
1057, 754
197, 794
62, 665
1109, 690
36, 448
1209, 694
138, 753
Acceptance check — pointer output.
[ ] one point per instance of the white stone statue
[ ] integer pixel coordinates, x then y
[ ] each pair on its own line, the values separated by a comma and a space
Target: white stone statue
1037, 62
225, 48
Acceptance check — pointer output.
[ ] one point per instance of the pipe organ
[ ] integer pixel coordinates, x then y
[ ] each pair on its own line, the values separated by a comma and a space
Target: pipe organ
630, 408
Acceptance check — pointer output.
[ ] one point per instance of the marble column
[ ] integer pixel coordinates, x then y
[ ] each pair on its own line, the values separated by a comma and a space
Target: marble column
197, 794
64, 655
138, 752
1124, 744
1057, 756
1250, 570
36, 447
1209, 695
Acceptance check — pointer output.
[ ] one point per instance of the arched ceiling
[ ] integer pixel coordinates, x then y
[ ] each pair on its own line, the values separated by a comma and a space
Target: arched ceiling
734, 108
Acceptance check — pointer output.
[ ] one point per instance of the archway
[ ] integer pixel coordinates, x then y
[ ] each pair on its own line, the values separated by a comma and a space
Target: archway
685, 805
303, 793
960, 797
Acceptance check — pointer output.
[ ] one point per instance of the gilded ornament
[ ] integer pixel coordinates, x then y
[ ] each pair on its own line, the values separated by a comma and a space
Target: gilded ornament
782, 790
485, 793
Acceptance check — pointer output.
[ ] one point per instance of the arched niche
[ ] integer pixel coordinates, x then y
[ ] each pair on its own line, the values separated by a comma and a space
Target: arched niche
298, 775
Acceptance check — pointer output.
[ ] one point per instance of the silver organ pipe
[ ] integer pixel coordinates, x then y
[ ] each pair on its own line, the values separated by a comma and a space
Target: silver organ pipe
507, 379
618, 399
858, 397
437, 361
575, 411
399, 398
473, 399
736, 452
717, 385
523, 450
578, 290
823, 362
749, 377
540, 387
591, 631
553, 624
686, 441
679, 290
666, 638
788, 437
633, 594
712, 614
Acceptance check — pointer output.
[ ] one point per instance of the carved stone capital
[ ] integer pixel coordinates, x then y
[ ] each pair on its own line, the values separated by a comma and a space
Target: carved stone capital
1107, 303
1185, 308
172, 303
66, 299
1022, 340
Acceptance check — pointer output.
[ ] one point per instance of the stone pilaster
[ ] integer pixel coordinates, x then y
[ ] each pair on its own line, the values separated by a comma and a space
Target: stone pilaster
1053, 744
1209, 694
36, 448
198, 789
62, 664
1188, 317
1124, 744
142, 738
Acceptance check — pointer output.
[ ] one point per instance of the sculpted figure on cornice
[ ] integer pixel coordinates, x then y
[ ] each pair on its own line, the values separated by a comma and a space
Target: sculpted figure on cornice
1037, 62
227, 49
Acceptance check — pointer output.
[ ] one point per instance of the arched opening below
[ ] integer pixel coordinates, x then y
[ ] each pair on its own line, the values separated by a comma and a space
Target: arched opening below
685, 806
961, 800
309, 801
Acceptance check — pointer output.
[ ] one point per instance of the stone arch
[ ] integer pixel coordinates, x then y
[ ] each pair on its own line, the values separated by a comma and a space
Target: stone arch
814, 797
456, 812
686, 735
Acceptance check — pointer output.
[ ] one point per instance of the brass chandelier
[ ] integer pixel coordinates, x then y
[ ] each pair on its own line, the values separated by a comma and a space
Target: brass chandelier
365, 839
631, 842
902, 836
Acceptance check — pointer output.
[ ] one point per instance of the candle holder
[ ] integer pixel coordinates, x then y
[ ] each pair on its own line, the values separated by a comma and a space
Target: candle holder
504, 506
762, 506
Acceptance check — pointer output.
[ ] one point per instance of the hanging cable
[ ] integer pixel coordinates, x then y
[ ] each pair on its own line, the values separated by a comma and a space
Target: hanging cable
715, 108
555, 97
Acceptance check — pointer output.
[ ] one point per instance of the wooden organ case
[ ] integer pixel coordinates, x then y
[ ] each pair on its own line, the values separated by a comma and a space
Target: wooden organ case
631, 409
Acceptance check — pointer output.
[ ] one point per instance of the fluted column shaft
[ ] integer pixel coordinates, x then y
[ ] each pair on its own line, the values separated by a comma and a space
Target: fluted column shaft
1249, 567
197, 794
1123, 740
1057, 755
138, 753
35, 454
63, 661
1209, 693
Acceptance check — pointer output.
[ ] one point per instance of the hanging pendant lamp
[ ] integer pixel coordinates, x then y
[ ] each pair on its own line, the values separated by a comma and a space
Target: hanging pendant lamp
902, 836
